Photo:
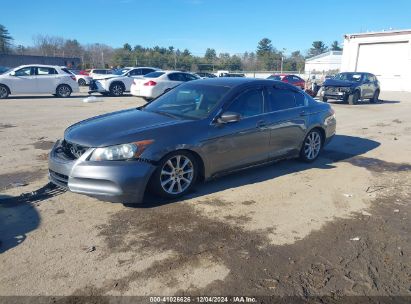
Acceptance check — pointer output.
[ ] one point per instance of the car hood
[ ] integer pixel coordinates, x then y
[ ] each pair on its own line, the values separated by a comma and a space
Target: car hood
116, 128
339, 83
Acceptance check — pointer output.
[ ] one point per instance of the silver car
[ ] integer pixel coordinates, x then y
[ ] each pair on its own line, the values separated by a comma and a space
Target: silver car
195, 132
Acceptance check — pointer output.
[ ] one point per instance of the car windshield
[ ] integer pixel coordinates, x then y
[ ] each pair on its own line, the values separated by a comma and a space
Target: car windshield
120, 71
189, 100
356, 77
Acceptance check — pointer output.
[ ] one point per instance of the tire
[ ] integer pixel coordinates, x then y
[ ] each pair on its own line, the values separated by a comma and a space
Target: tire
175, 175
147, 99
4, 92
82, 82
312, 146
63, 91
324, 99
376, 96
116, 89
353, 98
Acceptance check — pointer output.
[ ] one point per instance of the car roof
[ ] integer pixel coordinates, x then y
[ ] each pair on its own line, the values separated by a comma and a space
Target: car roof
39, 65
235, 81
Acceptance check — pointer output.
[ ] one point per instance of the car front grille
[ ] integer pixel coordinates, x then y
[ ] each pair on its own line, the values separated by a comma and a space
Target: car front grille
58, 179
73, 151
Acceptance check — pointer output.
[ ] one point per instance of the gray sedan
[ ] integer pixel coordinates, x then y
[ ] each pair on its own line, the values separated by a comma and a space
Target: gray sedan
197, 131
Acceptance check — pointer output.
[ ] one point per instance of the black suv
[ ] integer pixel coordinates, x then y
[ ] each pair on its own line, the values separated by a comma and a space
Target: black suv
351, 87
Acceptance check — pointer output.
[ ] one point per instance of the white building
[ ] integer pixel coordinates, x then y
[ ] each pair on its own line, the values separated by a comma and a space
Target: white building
385, 54
329, 61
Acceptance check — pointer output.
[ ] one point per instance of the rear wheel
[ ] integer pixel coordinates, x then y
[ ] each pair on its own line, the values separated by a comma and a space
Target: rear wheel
175, 175
4, 92
116, 89
353, 98
81, 82
324, 99
311, 146
376, 96
63, 91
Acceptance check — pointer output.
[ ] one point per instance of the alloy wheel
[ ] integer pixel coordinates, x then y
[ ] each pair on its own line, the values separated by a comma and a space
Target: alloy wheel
177, 174
117, 90
3, 92
64, 91
312, 145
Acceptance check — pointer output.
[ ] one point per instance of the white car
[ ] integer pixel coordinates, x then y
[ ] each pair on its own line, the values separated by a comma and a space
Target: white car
82, 80
38, 79
100, 72
116, 85
154, 84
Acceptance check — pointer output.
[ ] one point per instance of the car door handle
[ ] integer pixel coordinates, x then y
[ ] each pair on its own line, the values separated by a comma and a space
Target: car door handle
303, 113
261, 124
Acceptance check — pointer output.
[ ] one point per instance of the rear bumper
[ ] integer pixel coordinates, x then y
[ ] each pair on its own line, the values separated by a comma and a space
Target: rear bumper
114, 181
143, 91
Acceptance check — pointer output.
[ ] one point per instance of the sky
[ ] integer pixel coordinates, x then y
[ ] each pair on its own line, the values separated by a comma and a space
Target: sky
233, 26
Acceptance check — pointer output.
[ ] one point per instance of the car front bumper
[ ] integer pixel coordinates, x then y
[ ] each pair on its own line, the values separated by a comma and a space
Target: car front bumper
334, 94
114, 181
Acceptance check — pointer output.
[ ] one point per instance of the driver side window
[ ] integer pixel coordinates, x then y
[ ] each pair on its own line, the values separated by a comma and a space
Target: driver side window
248, 103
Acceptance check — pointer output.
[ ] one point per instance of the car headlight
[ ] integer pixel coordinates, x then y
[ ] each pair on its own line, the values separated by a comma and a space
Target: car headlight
120, 152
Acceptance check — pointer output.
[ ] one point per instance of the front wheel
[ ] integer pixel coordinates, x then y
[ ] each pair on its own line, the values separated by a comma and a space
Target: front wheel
353, 98
175, 175
63, 91
376, 96
312, 146
4, 93
324, 99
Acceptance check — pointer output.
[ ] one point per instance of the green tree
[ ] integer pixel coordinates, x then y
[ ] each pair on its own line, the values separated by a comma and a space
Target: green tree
335, 46
318, 47
5, 40
264, 47
210, 55
127, 47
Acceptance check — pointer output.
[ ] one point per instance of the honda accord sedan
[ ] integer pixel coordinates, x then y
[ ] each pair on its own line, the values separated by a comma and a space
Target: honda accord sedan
198, 131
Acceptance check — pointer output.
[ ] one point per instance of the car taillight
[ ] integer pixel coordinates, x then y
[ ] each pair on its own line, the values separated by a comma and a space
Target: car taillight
73, 77
150, 83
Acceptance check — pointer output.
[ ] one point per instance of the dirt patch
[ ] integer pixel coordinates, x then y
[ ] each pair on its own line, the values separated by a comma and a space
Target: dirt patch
43, 156
247, 203
43, 144
332, 263
11, 180
371, 164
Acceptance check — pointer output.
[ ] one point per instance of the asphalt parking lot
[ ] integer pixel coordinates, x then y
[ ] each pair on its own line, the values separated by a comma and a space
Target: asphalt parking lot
339, 226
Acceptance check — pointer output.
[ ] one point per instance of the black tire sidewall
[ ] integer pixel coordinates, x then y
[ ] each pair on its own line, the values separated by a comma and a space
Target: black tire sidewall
81, 82
112, 87
376, 96
353, 99
58, 89
155, 185
7, 94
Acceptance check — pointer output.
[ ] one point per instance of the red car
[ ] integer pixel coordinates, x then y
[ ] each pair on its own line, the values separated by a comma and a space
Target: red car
291, 79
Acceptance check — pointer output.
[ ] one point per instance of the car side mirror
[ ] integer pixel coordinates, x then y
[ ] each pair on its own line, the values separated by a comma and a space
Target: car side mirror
229, 117
13, 73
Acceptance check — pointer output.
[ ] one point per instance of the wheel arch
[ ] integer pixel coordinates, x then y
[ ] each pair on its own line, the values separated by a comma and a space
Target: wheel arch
6, 86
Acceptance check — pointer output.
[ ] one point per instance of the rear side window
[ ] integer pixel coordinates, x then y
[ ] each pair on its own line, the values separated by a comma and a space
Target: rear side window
146, 71
176, 77
248, 103
189, 77
46, 71
154, 74
282, 99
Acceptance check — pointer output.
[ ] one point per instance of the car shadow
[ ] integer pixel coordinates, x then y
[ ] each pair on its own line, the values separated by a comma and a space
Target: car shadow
342, 148
18, 215
22, 97
364, 102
